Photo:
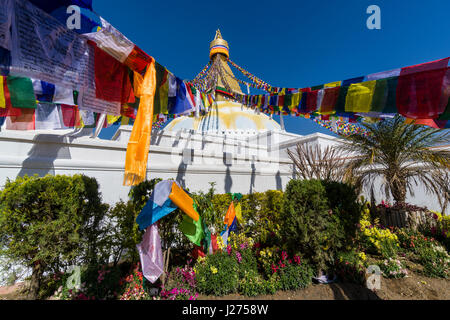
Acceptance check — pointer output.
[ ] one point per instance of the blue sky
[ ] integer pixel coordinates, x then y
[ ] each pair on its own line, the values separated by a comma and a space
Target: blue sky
285, 43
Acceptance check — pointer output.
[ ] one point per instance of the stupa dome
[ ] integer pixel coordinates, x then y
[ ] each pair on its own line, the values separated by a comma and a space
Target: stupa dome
226, 116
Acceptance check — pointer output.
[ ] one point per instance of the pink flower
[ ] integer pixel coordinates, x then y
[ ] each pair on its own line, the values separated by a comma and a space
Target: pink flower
239, 257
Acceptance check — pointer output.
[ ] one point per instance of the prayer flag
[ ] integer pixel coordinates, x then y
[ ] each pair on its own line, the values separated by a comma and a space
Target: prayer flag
21, 92
23, 122
47, 117
359, 96
419, 90
150, 254
139, 143
192, 229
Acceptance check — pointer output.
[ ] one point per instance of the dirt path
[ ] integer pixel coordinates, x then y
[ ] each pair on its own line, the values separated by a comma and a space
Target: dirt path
414, 287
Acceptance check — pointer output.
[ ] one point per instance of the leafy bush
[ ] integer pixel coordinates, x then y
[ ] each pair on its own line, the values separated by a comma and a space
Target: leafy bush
343, 200
309, 226
217, 274
293, 277
253, 284
52, 222
263, 211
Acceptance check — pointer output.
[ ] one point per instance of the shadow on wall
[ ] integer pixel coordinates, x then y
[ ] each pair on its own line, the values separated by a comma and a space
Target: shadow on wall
45, 150
278, 181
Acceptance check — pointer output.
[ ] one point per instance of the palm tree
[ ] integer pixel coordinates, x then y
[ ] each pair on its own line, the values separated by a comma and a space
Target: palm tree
403, 155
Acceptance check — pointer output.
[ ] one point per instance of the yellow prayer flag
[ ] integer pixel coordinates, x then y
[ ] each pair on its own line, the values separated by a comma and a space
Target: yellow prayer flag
2, 94
332, 84
238, 211
359, 96
111, 119
296, 97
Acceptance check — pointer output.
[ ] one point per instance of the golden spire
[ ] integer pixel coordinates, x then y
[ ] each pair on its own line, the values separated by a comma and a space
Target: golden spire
219, 53
218, 45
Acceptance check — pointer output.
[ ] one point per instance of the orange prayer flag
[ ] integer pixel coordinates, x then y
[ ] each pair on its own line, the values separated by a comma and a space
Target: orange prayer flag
139, 143
182, 200
230, 215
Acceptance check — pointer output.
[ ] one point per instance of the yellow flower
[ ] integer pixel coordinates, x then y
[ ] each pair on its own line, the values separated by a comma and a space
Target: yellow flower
213, 270
201, 259
362, 256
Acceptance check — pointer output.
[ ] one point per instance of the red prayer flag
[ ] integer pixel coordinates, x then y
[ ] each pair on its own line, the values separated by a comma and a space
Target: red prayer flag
311, 101
23, 122
70, 115
109, 76
214, 245
138, 60
419, 90
329, 99
197, 252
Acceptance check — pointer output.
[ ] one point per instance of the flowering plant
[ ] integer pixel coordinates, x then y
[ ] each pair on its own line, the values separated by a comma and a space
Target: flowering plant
376, 239
351, 266
181, 284
393, 268
134, 289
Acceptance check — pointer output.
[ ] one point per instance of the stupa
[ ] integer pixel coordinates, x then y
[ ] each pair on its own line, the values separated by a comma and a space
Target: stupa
225, 115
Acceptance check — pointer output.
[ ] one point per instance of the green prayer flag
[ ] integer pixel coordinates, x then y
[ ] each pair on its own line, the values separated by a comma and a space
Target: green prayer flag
192, 229
340, 104
21, 92
379, 96
162, 90
391, 100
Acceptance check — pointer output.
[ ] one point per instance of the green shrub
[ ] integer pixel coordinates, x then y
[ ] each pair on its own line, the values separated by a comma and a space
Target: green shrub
309, 226
263, 213
343, 200
217, 274
295, 276
252, 284
52, 222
